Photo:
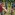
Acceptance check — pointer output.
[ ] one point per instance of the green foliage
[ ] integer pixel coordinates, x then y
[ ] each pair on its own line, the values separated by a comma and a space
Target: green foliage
4, 0
9, 4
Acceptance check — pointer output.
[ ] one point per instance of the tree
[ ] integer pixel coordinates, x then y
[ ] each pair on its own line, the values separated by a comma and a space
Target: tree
2, 0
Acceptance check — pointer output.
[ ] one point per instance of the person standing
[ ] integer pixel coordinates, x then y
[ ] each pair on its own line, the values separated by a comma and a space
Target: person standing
1, 8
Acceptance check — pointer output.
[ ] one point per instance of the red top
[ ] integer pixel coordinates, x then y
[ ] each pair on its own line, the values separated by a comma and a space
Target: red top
0, 8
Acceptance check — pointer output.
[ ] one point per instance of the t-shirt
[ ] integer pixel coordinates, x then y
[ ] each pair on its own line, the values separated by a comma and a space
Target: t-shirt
0, 8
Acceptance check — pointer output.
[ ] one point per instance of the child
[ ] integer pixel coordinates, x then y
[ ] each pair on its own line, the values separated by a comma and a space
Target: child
1, 8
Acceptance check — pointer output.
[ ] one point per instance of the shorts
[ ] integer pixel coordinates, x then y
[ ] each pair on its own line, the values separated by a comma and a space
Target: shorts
1, 13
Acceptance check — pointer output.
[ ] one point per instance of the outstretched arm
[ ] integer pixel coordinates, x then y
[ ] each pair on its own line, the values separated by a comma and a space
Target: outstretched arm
4, 9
